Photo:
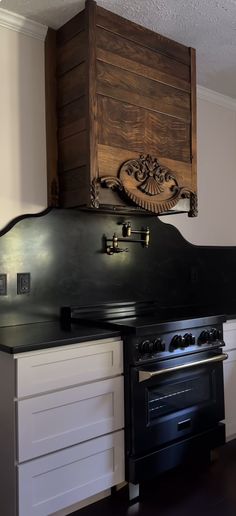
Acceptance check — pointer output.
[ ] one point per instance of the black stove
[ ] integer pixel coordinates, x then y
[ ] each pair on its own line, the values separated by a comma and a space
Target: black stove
173, 372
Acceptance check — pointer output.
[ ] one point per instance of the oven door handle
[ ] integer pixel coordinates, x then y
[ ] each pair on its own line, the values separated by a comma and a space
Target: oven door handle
147, 375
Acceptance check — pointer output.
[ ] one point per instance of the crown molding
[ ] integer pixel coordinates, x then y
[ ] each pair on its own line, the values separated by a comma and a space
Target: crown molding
216, 98
21, 24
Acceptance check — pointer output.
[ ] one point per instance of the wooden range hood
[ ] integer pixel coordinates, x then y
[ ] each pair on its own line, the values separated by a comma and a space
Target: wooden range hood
121, 116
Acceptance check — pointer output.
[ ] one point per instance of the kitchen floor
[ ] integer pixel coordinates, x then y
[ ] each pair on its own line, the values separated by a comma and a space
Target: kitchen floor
205, 491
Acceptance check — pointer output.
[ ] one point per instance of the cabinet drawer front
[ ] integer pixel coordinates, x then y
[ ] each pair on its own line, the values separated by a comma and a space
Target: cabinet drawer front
54, 421
71, 365
51, 483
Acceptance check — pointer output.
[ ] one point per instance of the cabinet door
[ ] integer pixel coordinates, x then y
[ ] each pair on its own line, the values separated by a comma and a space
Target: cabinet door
54, 421
230, 397
66, 366
58, 480
230, 335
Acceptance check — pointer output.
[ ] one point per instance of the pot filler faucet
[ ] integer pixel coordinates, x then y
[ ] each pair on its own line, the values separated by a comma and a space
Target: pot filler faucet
112, 244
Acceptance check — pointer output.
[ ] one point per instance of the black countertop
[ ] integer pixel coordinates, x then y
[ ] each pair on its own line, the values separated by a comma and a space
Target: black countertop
35, 336
31, 337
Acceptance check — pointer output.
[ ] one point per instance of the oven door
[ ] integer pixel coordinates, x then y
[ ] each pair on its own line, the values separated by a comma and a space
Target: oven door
175, 398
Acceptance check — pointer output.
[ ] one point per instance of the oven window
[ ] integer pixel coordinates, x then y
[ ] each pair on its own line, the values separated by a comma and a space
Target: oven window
166, 398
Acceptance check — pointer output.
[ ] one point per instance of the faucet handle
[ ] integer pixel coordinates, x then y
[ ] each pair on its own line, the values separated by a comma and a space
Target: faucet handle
122, 250
127, 230
113, 250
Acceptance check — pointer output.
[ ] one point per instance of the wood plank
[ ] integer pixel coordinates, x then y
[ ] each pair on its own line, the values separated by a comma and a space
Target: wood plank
140, 91
73, 151
91, 11
71, 118
71, 28
130, 127
74, 188
110, 160
139, 34
72, 53
168, 136
113, 49
71, 85
193, 120
51, 118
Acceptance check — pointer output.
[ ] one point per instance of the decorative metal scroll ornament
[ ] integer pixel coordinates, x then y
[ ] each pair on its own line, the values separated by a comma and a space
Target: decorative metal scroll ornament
148, 184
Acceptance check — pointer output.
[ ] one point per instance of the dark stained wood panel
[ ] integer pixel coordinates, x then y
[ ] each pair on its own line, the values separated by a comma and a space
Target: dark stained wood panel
140, 91
120, 125
71, 118
167, 136
134, 128
128, 55
74, 187
91, 86
71, 28
71, 85
111, 158
73, 152
145, 71
139, 34
72, 53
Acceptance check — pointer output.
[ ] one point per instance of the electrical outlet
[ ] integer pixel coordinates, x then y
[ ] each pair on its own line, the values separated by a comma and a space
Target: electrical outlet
3, 284
23, 283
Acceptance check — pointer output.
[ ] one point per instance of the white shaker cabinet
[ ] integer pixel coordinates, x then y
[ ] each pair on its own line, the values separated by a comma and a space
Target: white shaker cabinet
62, 438
230, 379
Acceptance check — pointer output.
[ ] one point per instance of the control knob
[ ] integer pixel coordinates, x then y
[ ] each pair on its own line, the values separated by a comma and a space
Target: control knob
158, 345
145, 347
204, 337
215, 334
189, 339
177, 342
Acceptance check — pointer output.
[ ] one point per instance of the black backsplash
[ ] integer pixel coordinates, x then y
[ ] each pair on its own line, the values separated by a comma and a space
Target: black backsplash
64, 252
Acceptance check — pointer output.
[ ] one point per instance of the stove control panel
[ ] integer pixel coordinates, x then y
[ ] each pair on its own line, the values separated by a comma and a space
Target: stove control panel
157, 347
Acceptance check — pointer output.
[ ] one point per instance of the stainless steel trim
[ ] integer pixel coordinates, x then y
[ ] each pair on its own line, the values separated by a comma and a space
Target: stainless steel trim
184, 421
147, 375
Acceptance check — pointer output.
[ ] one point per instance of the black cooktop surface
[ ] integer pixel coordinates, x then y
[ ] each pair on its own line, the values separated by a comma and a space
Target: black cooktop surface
143, 318
150, 324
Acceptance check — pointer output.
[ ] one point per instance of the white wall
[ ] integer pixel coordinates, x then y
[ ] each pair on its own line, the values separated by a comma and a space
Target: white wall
216, 222
23, 186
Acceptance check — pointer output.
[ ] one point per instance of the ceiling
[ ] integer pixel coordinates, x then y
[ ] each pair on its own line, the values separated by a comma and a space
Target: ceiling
207, 25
